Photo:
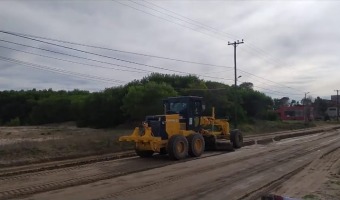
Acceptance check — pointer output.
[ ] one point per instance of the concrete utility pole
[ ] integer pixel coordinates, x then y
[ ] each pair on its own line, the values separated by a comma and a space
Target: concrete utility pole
304, 107
235, 44
337, 104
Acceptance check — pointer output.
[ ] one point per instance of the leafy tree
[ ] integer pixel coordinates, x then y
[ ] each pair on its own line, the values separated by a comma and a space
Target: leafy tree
246, 85
117, 105
51, 110
254, 102
142, 100
102, 109
320, 106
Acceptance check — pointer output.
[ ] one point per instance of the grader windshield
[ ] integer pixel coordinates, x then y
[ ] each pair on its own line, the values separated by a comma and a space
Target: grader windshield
176, 107
189, 106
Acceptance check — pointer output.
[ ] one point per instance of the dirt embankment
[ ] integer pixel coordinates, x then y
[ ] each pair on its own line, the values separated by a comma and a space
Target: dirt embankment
23, 145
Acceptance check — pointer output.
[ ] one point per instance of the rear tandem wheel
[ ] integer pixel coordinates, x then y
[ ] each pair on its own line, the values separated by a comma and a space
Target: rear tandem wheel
196, 144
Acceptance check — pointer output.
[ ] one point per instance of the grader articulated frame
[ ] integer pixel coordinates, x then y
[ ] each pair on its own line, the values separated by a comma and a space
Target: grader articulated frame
182, 130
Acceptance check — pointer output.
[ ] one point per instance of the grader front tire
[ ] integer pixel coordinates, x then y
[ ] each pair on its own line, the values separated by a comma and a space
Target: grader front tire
236, 138
177, 147
196, 145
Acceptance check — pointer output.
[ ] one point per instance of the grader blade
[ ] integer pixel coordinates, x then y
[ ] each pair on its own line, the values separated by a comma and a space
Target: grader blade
223, 145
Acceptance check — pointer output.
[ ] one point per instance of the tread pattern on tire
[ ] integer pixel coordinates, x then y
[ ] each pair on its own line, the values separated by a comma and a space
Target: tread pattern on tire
191, 141
172, 150
236, 138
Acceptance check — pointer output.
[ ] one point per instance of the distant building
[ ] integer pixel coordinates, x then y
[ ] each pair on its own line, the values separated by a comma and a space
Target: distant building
295, 112
332, 112
333, 98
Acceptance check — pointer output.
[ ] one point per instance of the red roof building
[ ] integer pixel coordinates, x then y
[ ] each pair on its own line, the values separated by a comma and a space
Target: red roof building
295, 113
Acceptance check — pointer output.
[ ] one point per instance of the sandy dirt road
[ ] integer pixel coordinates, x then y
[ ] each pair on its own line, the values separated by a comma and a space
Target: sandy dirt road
295, 167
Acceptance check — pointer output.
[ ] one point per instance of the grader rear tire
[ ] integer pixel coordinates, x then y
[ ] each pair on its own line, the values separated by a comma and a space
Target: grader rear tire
177, 147
196, 145
236, 138
144, 154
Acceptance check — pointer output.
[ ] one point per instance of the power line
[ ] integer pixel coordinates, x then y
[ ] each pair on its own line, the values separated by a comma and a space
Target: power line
143, 11
231, 36
69, 60
175, 23
226, 88
115, 50
142, 71
279, 92
212, 29
160, 57
60, 71
84, 58
96, 54
188, 22
268, 80
97, 78
65, 54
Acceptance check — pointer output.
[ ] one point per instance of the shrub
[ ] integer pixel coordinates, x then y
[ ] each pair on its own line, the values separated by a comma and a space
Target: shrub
14, 122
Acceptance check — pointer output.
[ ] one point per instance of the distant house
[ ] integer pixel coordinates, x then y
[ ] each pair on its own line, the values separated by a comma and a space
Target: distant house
295, 112
332, 112
334, 98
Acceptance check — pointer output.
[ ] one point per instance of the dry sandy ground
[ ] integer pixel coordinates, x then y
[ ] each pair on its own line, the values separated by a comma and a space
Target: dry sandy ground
299, 167
29, 144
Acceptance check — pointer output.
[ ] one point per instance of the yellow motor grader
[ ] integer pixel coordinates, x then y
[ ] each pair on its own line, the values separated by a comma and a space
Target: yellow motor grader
182, 130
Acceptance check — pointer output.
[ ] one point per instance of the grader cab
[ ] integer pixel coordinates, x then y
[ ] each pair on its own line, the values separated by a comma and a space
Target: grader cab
182, 130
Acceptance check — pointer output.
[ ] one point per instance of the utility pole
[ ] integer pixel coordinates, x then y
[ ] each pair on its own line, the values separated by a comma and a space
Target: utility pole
337, 104
235, 44
304, 108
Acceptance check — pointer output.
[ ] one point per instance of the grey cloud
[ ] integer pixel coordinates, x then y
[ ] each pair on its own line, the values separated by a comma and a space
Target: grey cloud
292, 43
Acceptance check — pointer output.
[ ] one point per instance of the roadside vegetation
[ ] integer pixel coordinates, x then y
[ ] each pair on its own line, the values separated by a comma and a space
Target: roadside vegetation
130, 103
265, 126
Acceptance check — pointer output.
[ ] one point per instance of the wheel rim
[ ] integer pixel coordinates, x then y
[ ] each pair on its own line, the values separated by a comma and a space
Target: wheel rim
198, 145
180, 147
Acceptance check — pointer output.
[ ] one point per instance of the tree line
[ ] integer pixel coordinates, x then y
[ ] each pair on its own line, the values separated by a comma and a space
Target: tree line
130, 103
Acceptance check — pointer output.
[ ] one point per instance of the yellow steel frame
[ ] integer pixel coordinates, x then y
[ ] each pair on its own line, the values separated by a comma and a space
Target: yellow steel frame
147, 141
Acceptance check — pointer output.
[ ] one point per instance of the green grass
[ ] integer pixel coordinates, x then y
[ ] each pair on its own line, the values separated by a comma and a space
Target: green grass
260, 126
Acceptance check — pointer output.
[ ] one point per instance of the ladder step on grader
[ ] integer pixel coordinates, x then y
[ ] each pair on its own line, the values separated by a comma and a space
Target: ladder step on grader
183, 131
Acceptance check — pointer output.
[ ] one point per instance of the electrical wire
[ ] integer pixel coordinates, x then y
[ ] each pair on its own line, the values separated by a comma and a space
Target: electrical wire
202, 25
26, 52
60, 71
258, 50
121, 65
116, 50
231, 36
122, 60
148, 13
160, 57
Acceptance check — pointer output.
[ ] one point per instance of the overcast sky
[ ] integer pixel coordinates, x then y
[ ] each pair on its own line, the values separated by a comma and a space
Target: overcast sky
290, 47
